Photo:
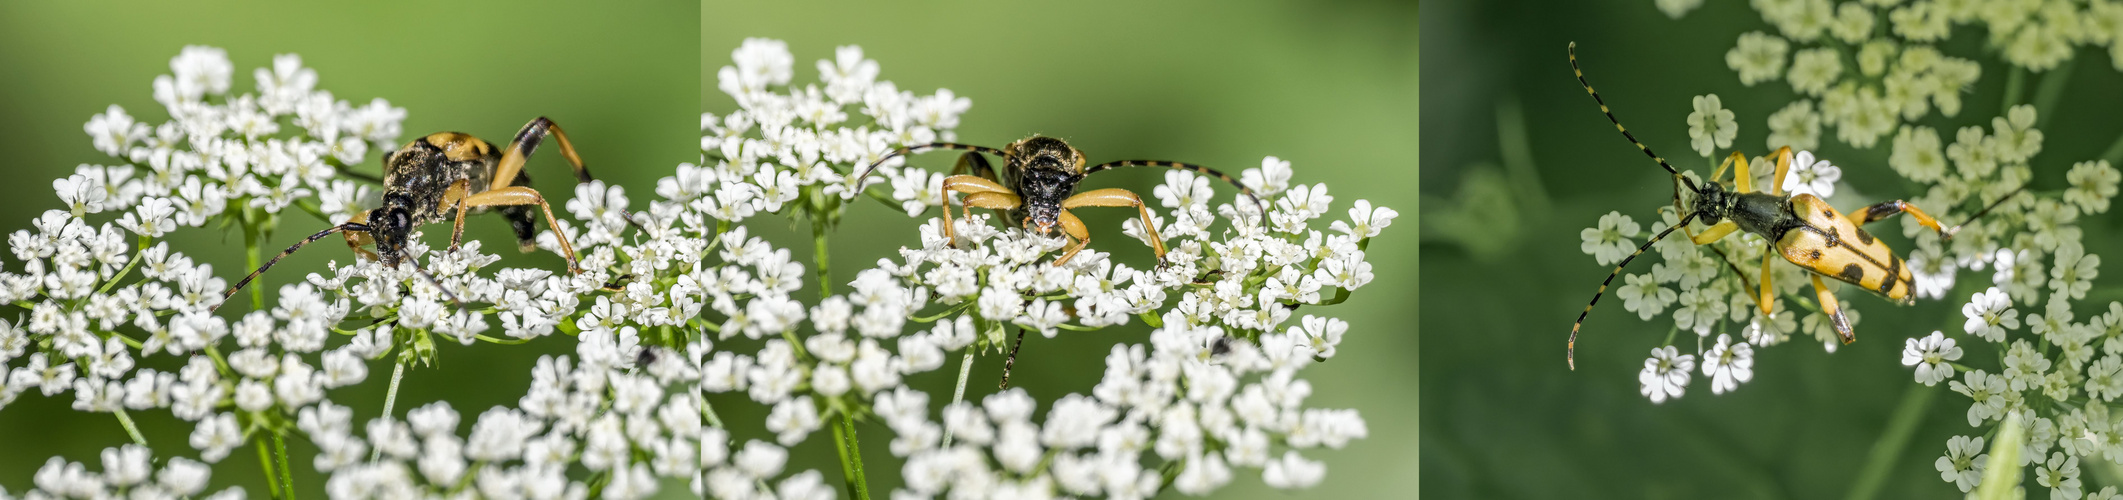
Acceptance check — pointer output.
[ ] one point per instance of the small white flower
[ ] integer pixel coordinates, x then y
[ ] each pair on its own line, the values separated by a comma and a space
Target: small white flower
1758, 57
1964, 462
1931, 356
1728, 364
1665, 374
1610, 242
1710, 125
1808, 176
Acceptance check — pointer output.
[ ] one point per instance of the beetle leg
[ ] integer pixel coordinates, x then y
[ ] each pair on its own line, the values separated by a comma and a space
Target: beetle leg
1740, 178
1716, 232
454, 197
965, 184
1887, 209
526, 142
1073, 228
976, 165
1766, 299
1834, 310
519, 195
357, 239
1776, 183
996, 201
1117, 197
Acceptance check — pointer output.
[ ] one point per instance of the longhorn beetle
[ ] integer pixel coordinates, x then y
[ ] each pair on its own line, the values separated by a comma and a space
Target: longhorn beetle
450, 171
1801, 228
1038, 187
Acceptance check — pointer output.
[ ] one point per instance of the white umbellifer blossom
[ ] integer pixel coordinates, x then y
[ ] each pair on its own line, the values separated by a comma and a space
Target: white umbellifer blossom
1665, 374
675, 300
630, 404
1215, 387
1931, 356
1877, 70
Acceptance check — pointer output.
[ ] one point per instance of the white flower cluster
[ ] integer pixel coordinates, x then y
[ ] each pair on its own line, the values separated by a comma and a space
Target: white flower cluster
2060, 363
1216, 387
129, 473
1717, 289
627, 407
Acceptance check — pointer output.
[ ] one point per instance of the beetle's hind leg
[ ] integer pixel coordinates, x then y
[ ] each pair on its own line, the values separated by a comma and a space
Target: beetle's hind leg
522, 220
1887, 209
1833, 309
526, 142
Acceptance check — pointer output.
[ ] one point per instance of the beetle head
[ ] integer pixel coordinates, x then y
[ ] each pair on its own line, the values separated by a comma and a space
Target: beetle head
390, 225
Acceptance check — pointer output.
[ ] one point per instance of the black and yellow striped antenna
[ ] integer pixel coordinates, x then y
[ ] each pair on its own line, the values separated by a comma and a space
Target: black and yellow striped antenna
1618, 123
1571, 356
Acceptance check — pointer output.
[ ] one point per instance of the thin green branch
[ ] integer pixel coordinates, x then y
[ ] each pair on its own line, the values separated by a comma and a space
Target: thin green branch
130, 430
129, 265
957, 395
850, 456
265, 461
287, 474
818, 237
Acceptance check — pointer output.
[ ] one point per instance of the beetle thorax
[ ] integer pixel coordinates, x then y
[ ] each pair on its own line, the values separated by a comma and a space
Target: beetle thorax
1761, 213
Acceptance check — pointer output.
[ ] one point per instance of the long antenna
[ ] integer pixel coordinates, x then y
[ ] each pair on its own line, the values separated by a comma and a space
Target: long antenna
350, 226
1617, 122
1986, 210
1182, 166
1571, 356
909, 150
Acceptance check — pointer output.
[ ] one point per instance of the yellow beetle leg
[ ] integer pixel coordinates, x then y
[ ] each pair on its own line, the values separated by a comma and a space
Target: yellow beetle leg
1766, 299
1776, 184
1834, 310
1715, 233
1742, 181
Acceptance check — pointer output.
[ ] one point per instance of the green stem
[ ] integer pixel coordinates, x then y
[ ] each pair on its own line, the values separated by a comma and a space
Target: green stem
497, 340
250, 257
265, 461
129, 265
390, 399
709, 413
850, 457
130, 430
818, 236
957, 395
287, 474
1887, 451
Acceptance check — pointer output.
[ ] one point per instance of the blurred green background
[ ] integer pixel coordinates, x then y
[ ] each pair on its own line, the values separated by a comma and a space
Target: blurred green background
621, 80
1519, 160
1329, 86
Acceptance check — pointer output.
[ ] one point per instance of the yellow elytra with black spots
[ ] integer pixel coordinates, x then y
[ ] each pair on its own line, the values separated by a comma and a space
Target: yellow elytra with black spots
1801, 228
1832, 246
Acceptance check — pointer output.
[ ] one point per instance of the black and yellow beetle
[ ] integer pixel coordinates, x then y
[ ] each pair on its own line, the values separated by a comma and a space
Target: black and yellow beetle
1803, 229
447, 174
